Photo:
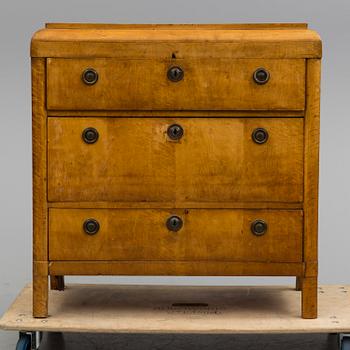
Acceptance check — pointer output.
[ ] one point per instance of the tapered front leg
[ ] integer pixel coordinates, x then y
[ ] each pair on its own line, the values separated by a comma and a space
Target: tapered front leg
309, 297
40, 289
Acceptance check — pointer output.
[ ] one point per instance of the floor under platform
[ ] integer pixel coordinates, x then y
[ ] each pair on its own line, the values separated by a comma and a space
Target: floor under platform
87, 341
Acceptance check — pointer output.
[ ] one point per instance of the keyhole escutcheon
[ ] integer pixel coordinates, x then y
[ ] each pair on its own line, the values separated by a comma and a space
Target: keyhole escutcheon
175, 74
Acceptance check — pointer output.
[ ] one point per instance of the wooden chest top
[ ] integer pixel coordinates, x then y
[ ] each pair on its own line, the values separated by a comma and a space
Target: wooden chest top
181, 40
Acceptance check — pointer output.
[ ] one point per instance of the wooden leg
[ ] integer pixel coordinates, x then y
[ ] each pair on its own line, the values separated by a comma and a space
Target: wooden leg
299, 283
40, 289
309, 297
57, 282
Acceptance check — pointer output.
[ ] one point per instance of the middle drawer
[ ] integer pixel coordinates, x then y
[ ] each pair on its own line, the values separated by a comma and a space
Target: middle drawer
175, 159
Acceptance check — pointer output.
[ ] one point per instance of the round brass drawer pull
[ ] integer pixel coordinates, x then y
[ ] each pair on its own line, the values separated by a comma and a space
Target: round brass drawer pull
175, 74
261, 76
90, 76
175, 132
258, 227
91, 226
90, 135
174, 223
260, 135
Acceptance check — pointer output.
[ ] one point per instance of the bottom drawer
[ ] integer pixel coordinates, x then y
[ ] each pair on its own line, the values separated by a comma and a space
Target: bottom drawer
181, 234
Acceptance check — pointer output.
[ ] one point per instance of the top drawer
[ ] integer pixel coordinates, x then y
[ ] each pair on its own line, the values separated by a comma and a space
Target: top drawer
145, 84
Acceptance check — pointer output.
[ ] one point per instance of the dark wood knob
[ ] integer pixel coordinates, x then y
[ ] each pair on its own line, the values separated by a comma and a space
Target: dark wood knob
261, 76
90, 76
175, 132
258, 227
260, 135
175, 74
90, 135
174, 223
91, 226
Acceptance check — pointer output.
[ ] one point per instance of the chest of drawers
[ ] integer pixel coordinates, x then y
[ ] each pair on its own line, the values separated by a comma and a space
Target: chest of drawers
175, 150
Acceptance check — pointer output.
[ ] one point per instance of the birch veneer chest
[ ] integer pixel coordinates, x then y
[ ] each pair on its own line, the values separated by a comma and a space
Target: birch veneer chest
175, 150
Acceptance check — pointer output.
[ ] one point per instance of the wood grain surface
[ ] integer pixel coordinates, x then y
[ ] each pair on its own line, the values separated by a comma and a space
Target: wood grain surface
190, 42
39, 134
311, 180
182, 113
205, 235
215, 161
216, 178
175, 268
220, 84
40, 211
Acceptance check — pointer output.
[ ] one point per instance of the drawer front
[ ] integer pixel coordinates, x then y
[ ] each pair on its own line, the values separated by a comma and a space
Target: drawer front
216, 160
206, 234
223, 84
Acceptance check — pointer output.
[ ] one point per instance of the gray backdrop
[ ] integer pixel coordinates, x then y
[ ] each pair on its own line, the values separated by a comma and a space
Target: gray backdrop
19, 19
